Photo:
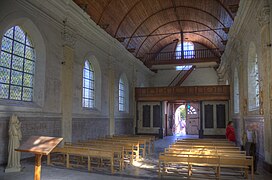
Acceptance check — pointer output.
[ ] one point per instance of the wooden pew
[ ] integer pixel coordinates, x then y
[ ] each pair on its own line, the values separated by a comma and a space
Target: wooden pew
86, 152
217, 161
117, 150
183, 146
205, 143
131, 149
205, 151
143, 142
187, 160
203, 140
149, 138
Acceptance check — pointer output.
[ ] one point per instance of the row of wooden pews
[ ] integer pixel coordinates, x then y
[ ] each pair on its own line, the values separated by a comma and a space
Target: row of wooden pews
212, 153
110, 151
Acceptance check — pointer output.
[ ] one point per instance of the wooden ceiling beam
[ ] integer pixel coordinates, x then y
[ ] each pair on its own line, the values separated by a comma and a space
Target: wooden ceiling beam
173, 22
106, 7
167, 33
189, 7
160, 41
177, 17
126, 16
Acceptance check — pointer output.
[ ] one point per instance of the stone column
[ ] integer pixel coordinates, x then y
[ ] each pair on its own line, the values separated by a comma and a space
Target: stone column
111, 97
67, 84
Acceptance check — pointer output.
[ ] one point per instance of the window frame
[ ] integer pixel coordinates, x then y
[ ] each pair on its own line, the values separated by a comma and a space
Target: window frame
91, 90
26, 44
121, 96
188, 50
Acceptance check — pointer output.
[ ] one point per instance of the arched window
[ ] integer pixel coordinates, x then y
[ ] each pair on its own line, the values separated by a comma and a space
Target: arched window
188, 50
253, 78
17, 65
121, 94
88, 98
236, 95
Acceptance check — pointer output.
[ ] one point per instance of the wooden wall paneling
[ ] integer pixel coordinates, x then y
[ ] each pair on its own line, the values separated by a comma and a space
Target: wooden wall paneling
156, 116
221, 116
220, 92
146, 115
208, 116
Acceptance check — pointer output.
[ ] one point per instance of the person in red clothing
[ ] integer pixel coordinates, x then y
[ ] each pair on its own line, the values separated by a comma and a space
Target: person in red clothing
230, 134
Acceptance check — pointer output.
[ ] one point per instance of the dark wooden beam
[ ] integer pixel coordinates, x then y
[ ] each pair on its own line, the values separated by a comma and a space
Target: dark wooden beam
189, 7
190, 93
174, 22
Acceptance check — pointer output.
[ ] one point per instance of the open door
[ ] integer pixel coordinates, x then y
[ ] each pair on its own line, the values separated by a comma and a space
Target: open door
192, 118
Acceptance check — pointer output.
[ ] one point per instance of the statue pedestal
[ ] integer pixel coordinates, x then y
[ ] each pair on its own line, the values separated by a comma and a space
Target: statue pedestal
12, 169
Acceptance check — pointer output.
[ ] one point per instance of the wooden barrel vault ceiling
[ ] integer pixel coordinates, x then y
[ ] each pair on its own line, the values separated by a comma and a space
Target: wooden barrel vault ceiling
147, 26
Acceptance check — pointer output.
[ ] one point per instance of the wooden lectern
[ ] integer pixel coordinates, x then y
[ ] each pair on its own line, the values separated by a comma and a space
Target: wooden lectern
39, 145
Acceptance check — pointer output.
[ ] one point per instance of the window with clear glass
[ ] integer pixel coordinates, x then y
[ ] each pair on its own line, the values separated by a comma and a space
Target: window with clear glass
256, 75
188, 50
17, 65
236, 95
121, 95
253, 79
88, 86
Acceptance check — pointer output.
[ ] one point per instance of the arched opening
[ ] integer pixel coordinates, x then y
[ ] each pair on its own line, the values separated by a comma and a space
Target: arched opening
187, 52
26, 37
253, 78
179, 127
92, 81
123, 93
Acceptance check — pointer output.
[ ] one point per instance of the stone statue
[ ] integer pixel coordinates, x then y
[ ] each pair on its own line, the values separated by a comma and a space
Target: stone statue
15, 135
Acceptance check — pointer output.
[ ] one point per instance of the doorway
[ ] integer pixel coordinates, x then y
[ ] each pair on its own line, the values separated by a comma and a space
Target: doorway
184, 118
192, 118
179, 127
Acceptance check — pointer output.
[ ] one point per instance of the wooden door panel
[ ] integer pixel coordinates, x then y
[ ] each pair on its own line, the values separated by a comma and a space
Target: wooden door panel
192, 118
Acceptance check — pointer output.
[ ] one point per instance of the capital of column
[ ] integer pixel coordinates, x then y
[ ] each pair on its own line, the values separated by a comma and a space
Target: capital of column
69, 37
263, 16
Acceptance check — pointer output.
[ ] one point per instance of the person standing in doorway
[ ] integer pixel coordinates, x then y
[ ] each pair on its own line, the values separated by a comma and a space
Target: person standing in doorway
230, 133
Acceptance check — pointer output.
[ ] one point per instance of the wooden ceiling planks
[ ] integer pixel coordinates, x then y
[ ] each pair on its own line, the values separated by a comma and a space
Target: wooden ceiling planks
145, 18
201, 39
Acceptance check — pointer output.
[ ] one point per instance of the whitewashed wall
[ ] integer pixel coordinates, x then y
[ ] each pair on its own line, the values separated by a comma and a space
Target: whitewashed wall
45, 19
198, 77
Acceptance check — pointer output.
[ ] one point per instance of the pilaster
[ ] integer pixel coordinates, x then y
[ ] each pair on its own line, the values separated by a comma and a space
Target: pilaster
67, 73
263, 19
111, 96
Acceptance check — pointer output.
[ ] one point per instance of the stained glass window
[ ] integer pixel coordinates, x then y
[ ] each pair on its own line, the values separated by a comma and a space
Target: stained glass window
121, 95
17, 64
88, 86
191, 109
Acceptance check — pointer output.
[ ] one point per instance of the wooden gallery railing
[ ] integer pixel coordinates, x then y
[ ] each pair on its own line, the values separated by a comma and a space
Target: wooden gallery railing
200, 55
197, 93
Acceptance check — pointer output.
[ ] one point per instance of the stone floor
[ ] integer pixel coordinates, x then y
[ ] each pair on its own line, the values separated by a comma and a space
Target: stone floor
144, 169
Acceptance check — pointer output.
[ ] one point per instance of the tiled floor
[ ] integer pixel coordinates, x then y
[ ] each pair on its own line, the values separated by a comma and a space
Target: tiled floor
144, 169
